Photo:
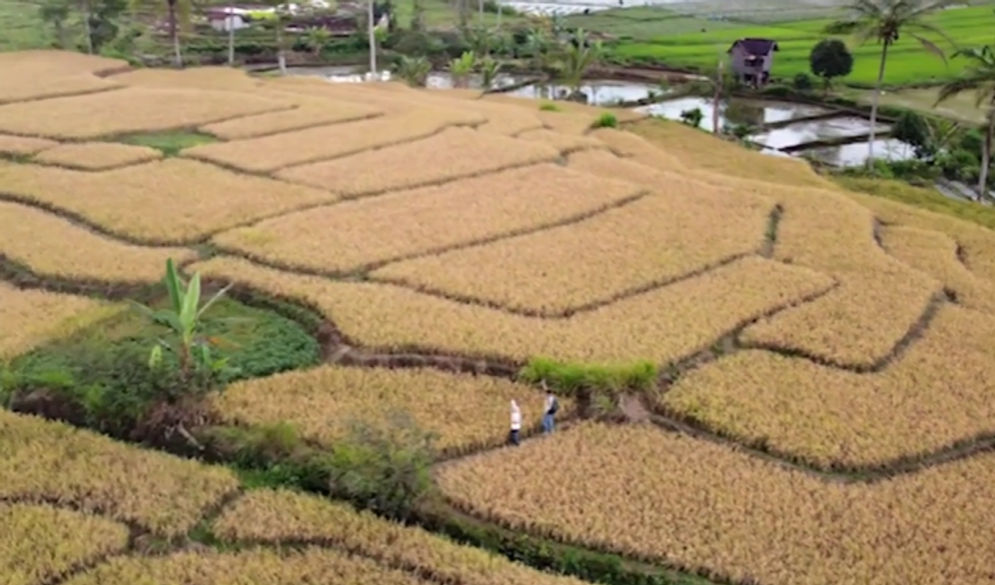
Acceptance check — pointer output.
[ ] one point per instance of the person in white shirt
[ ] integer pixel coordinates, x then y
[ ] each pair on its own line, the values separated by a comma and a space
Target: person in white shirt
516, 423
549, 412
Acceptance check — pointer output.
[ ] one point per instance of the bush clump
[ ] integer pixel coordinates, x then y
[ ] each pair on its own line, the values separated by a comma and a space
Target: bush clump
573, 378
606, 120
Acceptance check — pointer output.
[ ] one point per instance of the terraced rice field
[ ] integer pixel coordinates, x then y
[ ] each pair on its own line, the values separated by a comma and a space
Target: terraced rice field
823, 411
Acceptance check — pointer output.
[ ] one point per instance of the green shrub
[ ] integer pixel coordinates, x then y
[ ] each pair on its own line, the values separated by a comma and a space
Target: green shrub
549, 107
383, 467
572, 378
802, 82
605, 120
103, 369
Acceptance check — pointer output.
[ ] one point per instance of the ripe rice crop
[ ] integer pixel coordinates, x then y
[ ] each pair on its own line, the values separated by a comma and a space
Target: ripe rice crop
31, 75
878, 301
661, 237
311, 113
32, 317
935, 253
936, 395
698, 150
462, 410
132, 109
696, 504
451, 154
51, 246
606, 164
660, 325
977, 243
212, 78
269, 153
39, 543
561, 141
350, 235
142, 201
95, 156
53, 462
284, 517
23, 145
256, 566
638, 149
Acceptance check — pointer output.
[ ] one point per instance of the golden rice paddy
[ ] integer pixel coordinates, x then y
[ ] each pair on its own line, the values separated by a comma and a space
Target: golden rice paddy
827, 354
95, 156
353, 234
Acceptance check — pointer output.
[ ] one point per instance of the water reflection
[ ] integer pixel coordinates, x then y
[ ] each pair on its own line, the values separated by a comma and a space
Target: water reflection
816, 130
600, 92
733, 112
855, 154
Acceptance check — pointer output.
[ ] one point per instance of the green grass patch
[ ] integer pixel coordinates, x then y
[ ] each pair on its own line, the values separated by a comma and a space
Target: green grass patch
908, 63
571, 378
920, 197
549, 107
605, 120
103, 370
170, 143
23, 27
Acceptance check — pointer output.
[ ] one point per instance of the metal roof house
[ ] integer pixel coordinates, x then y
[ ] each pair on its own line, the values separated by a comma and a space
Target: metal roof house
752, 60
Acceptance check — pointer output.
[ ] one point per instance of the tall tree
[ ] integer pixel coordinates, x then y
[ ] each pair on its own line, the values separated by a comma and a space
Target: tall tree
174, 8
882, 20
56, 12
830, 58
980, 78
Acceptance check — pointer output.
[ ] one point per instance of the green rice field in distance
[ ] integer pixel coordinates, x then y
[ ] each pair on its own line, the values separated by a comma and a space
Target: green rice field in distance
654, 35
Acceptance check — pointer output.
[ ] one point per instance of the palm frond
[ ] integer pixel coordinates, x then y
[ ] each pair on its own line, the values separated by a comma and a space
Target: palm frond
931, 47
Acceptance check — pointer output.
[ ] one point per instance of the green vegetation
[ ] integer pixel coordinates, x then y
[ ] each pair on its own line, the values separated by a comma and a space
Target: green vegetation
102, 371
549, 107
572, 378
926, 198
605, 120
907, 64
978, 78
170, 143
829, 59
23, 27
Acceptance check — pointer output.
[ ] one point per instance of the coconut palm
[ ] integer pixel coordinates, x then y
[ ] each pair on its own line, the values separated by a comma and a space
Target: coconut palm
980, 78
882, 20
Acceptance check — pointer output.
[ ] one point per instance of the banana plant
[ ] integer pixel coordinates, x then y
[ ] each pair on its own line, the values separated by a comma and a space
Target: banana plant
184, 318
489, 69
461, 68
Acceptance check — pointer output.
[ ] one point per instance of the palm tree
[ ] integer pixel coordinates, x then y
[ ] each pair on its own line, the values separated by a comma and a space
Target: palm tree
979, 77
882, 20
578, 55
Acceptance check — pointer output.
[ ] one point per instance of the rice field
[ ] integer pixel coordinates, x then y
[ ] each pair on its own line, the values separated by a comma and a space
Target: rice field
665, 497
96, 156
279, 516
817, 406
41, 543
662, 325
32, 317
463, 411
452, 154
908, 63
220, 199
54, 247
420, 221
628, 248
